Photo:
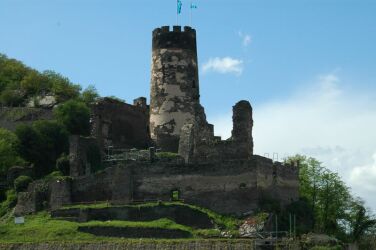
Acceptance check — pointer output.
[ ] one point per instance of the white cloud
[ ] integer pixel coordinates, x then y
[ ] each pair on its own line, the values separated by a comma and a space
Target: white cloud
327, 121
365, 176
224, 65
246, 39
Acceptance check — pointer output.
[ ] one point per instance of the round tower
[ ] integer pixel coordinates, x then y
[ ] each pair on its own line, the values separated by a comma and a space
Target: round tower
174, 91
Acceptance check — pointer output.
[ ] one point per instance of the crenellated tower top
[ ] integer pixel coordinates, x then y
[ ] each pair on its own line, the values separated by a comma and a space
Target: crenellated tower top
164, 38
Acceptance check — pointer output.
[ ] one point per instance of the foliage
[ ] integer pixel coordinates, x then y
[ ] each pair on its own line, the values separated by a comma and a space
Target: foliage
75, 116
329, 200
62, 88
360, 220
18, 83
9, 156
41, 144
62, 164
89, 95
10, 202
22, 182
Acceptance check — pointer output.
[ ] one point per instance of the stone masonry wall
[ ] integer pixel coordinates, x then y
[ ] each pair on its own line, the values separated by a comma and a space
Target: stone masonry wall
80, 149
174, 84
11, 117
232, 187
120, 125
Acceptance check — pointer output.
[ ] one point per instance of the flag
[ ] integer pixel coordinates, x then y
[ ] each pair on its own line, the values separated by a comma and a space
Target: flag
193, 6
179, 6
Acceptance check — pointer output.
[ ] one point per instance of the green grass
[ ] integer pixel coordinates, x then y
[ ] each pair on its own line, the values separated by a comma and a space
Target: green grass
223, 221
166, 155
42, 228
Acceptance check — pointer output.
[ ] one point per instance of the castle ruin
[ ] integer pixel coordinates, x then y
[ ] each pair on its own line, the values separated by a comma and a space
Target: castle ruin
222, 175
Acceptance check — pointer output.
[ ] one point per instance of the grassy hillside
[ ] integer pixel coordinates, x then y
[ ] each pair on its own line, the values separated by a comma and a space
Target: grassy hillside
43, 228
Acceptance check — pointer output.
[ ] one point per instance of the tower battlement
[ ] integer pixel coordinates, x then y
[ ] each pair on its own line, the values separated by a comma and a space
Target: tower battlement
164, 38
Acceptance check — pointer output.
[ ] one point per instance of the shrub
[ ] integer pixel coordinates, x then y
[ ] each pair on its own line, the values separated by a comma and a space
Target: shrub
8, 150
22, 182
75, 116
10, 202
42, 143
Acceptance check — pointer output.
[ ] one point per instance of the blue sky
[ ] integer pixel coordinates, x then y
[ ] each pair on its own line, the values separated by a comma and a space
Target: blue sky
307, 66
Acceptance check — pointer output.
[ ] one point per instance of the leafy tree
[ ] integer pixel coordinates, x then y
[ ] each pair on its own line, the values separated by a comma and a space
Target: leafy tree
330, 200
11, 97
360, 221
62, 88
11, 73
35, 83
89, 95
19, 82
75, 116
9, 155
42, 143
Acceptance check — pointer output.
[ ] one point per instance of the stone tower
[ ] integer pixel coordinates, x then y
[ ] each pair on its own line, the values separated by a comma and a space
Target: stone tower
174, 95
242, 128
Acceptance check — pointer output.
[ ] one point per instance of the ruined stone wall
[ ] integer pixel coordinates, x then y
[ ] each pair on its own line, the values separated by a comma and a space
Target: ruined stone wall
242, 128
112, 184
81, 153
120, 125
174, 84
277, 181
287, 183
198, 144
11, 117
225, 188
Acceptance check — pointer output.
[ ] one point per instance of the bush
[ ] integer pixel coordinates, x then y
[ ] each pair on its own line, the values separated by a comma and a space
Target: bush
22, 182
8, 151
42, 143
10, 202
75, 116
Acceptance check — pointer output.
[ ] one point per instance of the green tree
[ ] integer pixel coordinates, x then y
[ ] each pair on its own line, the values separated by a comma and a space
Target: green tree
35, 83
75, 116
62, 88
42, 143
326, 193
360, 220
89, 95
9, 156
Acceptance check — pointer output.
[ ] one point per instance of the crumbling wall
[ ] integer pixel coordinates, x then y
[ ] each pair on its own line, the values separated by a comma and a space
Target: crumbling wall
225, 188
287, 183
112, 184
120, 125
11, 117
174, 84
242, 129
60, 193
198, 143
84, 155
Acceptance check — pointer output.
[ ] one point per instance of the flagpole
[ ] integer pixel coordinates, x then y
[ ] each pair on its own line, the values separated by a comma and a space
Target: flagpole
190, 19
177, 12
